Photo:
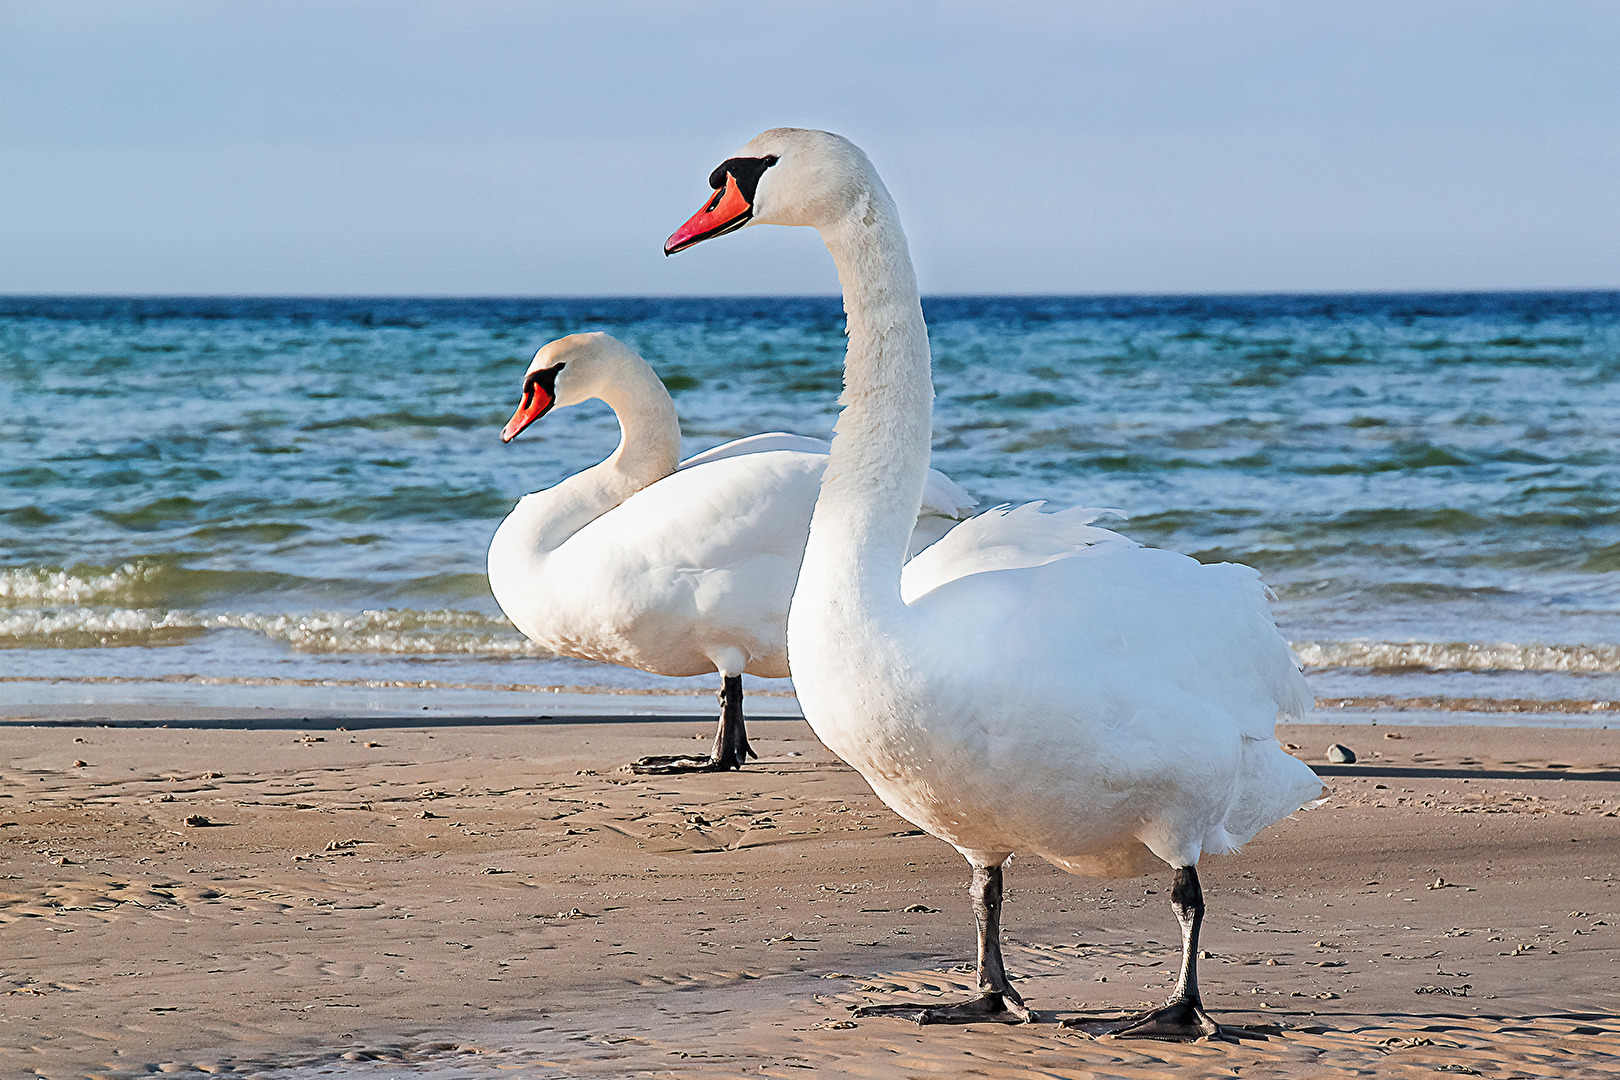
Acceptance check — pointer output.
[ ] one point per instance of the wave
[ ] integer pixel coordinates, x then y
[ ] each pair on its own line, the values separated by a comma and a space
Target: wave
191, 679
1572, 659
388, 632
405, 632
160, 581
49, 586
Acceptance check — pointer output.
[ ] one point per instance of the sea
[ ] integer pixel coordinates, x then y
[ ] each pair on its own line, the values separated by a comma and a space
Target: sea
283, 501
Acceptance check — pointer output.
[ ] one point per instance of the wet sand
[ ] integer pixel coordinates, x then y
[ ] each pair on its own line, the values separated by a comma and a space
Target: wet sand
480, 898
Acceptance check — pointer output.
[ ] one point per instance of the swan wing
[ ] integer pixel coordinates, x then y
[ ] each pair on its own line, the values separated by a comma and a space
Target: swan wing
1149, 682
942, 496
758, 444
1005, 538
704, 559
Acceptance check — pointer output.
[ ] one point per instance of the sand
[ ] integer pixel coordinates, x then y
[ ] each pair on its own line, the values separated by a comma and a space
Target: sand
375, 897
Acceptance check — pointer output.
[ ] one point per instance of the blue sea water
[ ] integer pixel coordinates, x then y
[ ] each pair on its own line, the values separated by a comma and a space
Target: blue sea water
288, 492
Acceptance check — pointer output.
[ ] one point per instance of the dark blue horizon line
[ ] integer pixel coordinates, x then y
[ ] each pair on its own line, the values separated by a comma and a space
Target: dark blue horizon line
509, 297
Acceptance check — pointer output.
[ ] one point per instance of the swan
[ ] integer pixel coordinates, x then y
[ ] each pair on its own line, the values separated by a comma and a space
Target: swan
673, 569
1031, 682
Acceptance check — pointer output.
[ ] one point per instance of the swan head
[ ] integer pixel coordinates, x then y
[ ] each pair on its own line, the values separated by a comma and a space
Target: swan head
568, 371
785, 176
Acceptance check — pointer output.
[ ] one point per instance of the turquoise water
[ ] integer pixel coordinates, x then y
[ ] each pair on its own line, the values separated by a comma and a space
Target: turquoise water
235, 492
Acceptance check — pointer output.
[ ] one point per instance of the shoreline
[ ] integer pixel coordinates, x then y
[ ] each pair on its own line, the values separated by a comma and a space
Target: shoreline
96, 696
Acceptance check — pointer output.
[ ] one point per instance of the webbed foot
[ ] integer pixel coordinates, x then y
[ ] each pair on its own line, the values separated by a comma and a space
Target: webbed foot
1183, 1020
991, 1008
667, 764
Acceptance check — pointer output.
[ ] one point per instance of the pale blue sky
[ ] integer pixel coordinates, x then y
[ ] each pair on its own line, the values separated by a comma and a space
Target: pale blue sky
474, 147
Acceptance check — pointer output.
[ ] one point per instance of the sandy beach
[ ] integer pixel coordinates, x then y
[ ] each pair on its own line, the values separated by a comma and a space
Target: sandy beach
259, 893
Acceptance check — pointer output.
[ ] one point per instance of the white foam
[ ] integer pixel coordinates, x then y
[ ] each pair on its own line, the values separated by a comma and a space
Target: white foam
1577, 658
383, 632
37, 586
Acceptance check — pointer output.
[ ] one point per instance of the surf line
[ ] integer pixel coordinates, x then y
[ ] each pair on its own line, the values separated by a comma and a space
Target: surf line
376, 684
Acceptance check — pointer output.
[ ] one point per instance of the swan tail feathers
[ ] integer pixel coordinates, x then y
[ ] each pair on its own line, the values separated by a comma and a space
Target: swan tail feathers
943, 497
1272, 784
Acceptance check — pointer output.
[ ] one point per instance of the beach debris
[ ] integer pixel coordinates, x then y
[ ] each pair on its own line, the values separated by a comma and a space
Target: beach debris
920, 909
838, 975
330, 852
341, 845
309, 739
571, 913
79, 763
1398, 1042
832, 1025
495, 870
211, 776
1458, 1069
1449, 991
427, 814
77, 739
197, 821
1341, 754
1442, 883
373, 744
1393, 735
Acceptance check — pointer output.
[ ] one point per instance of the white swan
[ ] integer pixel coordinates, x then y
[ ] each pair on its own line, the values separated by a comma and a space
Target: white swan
1031, 682
674, 569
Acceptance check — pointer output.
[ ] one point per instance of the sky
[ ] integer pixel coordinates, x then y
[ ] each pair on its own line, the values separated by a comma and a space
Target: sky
483, 147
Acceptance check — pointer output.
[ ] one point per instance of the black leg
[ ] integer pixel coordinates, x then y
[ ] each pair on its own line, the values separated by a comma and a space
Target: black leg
1182, 1017
998, 1002
731, 749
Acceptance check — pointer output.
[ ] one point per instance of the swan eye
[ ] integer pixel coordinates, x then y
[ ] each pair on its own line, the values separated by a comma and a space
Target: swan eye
745, 170
545, 378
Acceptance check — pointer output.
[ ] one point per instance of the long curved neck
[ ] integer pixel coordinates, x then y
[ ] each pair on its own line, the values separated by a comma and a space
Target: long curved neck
649, 449
874, 481
649, 431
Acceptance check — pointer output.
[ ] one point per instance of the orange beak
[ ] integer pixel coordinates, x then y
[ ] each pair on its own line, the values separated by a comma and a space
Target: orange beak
726, 210
537, 400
